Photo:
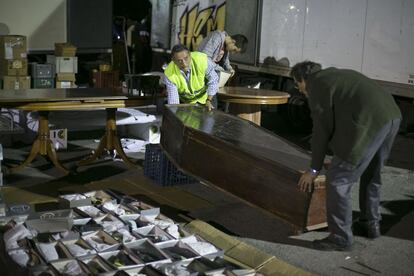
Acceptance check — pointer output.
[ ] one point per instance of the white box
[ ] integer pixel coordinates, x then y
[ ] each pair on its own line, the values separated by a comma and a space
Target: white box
134, 261
73, 200
145, 247
64, 64
59, 138
51, 221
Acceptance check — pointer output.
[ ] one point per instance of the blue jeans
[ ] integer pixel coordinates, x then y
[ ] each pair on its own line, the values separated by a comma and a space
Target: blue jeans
342, 175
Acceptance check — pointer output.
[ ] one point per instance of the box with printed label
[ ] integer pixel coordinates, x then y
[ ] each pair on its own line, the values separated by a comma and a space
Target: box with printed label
43, 83
13, 47
64, 84
14, 82
38, 70
64, 64
13, 67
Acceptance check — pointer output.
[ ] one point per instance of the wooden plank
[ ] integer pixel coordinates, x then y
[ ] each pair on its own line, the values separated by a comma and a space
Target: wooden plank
245, 160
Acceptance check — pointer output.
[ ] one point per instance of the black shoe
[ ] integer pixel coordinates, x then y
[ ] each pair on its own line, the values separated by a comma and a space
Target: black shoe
327, 244
370, 230
373, 230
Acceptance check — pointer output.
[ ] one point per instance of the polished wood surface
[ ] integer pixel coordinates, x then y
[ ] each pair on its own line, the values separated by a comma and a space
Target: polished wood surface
245, 102
245, 160
45, 100
247, 95
51, 95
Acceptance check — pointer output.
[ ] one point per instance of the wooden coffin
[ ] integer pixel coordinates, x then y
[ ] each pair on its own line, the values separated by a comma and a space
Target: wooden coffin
245, 160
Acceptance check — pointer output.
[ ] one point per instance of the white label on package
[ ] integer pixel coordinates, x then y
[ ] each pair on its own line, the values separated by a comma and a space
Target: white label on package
65, 84
8, 51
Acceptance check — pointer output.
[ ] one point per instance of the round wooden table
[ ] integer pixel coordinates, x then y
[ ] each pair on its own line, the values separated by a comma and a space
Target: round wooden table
245, 102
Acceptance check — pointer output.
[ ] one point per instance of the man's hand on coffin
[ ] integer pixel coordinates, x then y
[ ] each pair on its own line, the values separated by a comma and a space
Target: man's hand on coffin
305, 183
209, 105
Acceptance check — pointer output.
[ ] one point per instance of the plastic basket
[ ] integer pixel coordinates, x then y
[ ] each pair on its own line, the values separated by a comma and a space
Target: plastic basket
159, 168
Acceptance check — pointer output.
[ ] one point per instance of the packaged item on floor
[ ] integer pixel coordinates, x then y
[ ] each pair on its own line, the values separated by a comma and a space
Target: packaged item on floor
73, 200
51, 221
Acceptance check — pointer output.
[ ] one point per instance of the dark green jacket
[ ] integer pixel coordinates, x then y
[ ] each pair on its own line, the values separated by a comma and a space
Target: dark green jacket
348, 109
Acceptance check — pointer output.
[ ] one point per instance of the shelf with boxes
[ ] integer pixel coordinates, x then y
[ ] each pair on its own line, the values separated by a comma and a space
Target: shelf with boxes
13, 62
65, 63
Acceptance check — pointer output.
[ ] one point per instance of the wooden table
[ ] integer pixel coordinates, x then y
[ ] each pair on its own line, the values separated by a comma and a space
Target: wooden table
245, 102
45, 100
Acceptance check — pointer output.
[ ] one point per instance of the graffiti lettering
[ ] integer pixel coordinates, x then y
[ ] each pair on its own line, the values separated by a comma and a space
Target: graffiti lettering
195, 25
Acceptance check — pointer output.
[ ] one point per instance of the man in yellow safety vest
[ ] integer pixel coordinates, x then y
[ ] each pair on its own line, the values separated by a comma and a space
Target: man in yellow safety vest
190, 78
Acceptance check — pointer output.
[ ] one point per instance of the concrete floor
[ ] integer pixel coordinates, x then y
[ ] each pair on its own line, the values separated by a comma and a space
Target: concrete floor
391, 254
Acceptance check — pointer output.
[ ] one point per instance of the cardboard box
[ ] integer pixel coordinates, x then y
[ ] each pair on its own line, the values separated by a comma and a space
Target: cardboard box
100, 197
60, 266
14, 82
124, 212
13, 67
96, 265
73, 200
177, 250
73, 246
78, 219
65, 84
13, 47
121, 259
65, 50
59, 139
153, 233
147, 252
51, 221
66, 77
96, 239
64, 64
53, 251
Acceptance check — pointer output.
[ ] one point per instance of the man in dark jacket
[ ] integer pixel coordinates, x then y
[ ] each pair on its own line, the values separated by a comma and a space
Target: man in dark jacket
358, 120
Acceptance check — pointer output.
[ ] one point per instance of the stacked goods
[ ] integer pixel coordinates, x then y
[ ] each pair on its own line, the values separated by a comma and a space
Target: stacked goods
43, 75
13, 62
66, 65
105, 78
99, 232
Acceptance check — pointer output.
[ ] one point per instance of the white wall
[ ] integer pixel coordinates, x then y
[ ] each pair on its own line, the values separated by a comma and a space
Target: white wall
389, 40
42, 21
375, 37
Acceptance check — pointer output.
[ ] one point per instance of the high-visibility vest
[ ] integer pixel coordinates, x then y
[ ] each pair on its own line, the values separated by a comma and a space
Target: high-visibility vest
193, 91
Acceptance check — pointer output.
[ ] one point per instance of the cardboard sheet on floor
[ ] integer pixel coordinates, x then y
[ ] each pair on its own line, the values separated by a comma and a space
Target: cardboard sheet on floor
241, 253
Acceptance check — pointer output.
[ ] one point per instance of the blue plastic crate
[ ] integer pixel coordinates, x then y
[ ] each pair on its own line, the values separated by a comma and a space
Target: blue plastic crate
159, 168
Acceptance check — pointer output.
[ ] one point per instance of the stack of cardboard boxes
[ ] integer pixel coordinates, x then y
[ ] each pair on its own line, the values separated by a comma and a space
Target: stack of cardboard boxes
66, 65
13, 62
